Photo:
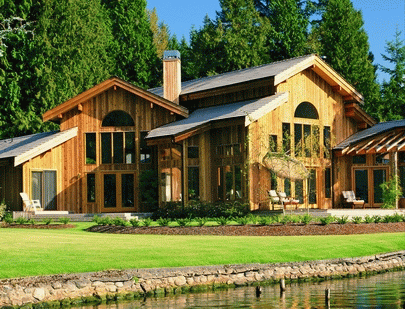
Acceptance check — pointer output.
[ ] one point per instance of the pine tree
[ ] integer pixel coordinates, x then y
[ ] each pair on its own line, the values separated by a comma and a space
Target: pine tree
344, 44
236, 39
393, 91
160, 32
133, 50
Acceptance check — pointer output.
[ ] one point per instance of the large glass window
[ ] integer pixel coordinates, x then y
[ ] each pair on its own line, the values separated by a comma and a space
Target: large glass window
193, 182
379, 176
91, 188
328, 182
145, 151
118, 119
327, 143
91, 149
361, 184
110, 190
312, 187
229, 182
306, 110
115, 146
170, 173
127, 190
44, 188
286, 131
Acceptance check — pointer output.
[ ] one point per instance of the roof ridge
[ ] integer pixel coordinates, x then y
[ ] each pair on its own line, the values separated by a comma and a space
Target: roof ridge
239, 71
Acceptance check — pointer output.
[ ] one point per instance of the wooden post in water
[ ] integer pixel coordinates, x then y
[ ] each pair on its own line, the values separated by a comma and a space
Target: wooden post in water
327, 298
282, 285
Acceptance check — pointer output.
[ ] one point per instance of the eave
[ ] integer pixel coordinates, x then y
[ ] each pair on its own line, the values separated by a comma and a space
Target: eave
56, 113
354, 111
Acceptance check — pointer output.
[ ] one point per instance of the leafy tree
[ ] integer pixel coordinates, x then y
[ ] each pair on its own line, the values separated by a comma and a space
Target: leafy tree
160, 32
344, 43
236, 39
393, 91
132, 48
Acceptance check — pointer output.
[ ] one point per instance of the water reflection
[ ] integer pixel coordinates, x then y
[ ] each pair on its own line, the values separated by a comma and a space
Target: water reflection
379, 291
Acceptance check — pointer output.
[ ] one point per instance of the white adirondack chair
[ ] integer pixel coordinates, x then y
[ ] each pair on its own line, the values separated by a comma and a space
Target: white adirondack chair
30, 205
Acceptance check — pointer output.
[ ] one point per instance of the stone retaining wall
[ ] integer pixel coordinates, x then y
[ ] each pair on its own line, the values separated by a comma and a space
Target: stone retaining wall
58, 290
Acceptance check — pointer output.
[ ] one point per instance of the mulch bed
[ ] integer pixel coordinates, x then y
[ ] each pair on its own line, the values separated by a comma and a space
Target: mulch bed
259, 230
39, 226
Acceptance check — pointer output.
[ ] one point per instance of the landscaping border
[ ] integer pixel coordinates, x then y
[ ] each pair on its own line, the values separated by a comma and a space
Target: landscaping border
97, 287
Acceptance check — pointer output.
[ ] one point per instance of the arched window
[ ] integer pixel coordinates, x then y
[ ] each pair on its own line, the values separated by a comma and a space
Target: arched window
118, 119
306, 110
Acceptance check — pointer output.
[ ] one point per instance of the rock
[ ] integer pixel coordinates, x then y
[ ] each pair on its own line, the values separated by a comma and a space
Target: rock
39, 294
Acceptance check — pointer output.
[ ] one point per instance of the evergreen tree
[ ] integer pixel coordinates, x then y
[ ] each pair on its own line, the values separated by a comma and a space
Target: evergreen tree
160, 32
133, 50
393, 91
236, 39
344, 43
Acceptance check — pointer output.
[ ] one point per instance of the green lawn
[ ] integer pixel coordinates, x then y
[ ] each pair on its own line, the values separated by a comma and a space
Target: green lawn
28, 252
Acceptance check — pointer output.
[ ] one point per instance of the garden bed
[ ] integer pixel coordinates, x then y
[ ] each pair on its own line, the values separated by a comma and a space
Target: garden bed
38, 226
258, 230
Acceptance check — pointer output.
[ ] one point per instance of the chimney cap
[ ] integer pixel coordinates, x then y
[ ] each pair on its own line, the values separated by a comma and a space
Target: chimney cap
171, 54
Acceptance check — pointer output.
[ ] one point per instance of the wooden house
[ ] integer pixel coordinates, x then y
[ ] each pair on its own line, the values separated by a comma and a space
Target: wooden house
121, 148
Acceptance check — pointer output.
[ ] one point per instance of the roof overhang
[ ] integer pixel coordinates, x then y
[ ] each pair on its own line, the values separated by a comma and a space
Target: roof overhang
354, 111
56, 113
59, 139
390, 141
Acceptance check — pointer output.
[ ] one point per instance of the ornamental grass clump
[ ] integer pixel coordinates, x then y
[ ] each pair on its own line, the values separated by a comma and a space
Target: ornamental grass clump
377, 219
342, 219
183, 221
163, 221
118, 221
135, 222
21, 220
147, 222
327, 220
306, 219
8, 218
357, 219
47, 221
368, 219
64, 220
242, 220
253, 218
105, 221
265, 220
201, 221
222, 220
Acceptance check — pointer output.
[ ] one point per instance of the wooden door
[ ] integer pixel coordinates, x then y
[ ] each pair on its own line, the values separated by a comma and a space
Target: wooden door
118, 192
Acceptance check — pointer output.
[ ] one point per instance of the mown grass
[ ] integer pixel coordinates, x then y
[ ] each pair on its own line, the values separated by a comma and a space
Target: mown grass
29, 252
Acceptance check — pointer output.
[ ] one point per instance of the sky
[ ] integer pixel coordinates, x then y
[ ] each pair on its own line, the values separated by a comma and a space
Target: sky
381, 19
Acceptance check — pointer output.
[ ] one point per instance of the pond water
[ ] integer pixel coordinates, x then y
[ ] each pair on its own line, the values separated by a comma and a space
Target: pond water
379, 291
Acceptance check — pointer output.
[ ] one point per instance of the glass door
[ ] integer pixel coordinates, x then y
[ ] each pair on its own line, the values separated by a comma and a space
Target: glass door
118, 192
379, 177
361, 184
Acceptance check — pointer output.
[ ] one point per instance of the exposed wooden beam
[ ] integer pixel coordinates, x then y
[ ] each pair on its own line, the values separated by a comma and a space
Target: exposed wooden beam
394, 145
337, 88
372, 149
348, 98
60, 116
370, 142
362, 125
80, 107
383, 147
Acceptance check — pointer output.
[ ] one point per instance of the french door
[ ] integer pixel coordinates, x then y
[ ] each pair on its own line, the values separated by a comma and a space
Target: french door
44, 188
118, 192
367, 184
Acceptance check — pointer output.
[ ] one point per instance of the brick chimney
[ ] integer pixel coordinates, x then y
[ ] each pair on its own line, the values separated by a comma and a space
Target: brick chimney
171, 75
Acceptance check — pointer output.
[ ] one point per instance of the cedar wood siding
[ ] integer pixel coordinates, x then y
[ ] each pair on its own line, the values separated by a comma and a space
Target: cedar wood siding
146, 117
304, 86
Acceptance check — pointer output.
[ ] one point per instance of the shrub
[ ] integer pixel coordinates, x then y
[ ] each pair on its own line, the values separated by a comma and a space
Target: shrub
31, 221
368, 219
183, 221
306, 219
147, 221
391, 191
64, 220
135, 222
277, 218
201, 221
242, 220
397, 217
96, 219
8, 218
357, 219
252, 218
47, 221
377, 218
105, 221
222, 220
163, 221
264, 220
21, 220
286, 219
342, 219
118, 221
327, 220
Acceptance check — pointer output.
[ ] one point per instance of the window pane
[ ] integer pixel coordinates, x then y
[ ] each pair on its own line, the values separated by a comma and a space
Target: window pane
228, 182
307, 140
273, 180
49, 202
287, 186
328, 183
165, 186
91, 188
37, 186
110, 191
361, 184
306, 110
130, 147
127, 187
326, 141
145, 150
118, 119
312, 187
298, 142
286, 137
91, 149
193, 152
238, 182
118, 138
299, 190
273, 143
106, 148
194, 183
379, 178
176, 184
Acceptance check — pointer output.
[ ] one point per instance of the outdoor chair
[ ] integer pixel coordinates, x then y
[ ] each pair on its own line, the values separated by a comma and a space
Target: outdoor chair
287, 201
30, 205
351, 200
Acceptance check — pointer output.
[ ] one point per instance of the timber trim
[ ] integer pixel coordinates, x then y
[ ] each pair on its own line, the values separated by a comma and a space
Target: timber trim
59, 139
56, 113
353, 110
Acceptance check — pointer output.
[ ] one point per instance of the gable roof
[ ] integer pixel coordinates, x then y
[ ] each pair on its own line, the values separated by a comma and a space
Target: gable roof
279, 71
53, 114
251, 110
24, 148
383, 132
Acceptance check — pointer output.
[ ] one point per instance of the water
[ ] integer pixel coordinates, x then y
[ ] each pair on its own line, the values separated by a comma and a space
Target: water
379, 291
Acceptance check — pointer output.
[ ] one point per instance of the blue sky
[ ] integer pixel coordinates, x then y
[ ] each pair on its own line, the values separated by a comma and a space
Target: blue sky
381, 18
